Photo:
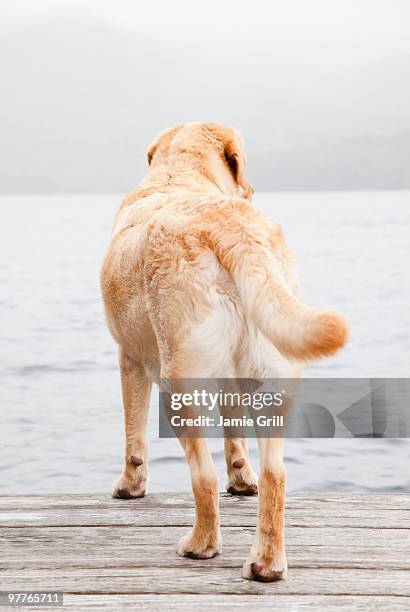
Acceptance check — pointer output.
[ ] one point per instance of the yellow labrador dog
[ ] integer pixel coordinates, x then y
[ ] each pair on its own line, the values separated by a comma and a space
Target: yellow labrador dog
198, 284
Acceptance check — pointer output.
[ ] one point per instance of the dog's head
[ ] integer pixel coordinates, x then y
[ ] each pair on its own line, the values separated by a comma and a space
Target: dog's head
217, 151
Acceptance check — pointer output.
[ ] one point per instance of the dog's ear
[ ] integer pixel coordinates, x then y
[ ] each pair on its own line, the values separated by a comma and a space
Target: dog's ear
235, 156
151, 151
153, 148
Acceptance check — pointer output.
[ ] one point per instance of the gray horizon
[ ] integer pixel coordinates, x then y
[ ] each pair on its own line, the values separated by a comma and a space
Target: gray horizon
83, 96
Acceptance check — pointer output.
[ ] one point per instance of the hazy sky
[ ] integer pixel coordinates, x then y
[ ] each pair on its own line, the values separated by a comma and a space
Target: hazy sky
320, 88
376, 28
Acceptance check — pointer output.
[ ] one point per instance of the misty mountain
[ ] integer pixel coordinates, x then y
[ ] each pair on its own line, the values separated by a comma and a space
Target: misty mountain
81, 102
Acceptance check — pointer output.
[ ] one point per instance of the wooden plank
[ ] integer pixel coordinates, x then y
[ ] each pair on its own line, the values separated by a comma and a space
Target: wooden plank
111, 556
330, 603
329, 510
205, 580
371, 501
237, 517
127, 536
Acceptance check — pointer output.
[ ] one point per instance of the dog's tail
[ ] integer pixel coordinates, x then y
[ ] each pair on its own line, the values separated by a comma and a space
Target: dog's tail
298, 331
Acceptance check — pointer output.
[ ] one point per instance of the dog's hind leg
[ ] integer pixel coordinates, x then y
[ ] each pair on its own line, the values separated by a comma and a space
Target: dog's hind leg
204, 539
136, 390
267, 559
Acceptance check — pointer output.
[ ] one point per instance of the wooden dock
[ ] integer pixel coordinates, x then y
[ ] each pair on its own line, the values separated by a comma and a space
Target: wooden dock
344, 550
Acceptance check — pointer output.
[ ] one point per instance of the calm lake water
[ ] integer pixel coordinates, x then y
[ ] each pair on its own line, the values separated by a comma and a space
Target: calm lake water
60, 411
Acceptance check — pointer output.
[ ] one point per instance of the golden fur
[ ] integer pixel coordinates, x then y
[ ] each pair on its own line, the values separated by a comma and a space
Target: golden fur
197, 283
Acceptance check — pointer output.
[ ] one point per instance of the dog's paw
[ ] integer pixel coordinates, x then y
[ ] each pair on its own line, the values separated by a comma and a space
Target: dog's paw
265, 571
195, 548
128, 488
242, 479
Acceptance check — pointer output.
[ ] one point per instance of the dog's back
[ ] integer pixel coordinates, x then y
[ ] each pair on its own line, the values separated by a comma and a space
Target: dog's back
202, 267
